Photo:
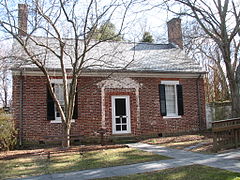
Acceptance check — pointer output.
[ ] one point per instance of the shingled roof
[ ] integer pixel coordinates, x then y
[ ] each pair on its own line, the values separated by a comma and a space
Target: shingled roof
134, 57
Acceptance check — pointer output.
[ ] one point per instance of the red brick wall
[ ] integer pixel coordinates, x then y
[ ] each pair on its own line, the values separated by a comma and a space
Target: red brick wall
151, 119
36, 125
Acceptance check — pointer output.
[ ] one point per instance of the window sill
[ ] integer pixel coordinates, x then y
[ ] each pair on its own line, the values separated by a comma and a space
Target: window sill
172, 117
58, 121
121, 133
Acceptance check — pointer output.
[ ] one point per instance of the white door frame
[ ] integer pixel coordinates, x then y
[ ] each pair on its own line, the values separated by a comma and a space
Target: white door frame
128, 116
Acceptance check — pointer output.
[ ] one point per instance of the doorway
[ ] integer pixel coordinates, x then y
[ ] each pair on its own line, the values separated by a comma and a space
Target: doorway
121, 115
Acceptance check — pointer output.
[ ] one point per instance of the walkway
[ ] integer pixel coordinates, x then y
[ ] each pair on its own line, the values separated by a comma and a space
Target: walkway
181, 158
223, 161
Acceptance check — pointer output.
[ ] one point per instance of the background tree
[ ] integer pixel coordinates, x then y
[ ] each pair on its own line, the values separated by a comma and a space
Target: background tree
5, 84
147, 37
220, 20
107, 31
205, 51
56, 21
5, 78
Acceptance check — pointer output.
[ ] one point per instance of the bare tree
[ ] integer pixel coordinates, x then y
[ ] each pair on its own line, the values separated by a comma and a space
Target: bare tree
205, 51
220, 20
5, 84
5, 77
57, 20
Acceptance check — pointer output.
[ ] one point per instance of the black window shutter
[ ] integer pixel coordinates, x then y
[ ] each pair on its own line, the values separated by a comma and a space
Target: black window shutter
75, 111
180, 100
50, 106
162, 97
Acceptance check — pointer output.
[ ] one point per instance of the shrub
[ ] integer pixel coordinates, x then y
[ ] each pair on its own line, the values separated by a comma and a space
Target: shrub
7, 132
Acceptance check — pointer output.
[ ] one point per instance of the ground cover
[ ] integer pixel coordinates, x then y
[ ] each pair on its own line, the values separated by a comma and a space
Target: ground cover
195, 143
193, 172
72, 161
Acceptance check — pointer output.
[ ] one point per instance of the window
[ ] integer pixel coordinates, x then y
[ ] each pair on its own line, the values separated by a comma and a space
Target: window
171, 107
52, 112
58, 88
171, 99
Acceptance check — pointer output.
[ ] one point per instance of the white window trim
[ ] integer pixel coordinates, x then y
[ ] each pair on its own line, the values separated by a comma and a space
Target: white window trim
175, 83
127, 114
170, 82
172, 117
59, 121
59, 81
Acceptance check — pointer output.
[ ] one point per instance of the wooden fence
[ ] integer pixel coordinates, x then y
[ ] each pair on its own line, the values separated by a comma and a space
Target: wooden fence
226, 134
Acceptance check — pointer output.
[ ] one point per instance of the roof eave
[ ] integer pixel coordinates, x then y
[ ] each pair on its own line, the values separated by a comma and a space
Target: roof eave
114, 70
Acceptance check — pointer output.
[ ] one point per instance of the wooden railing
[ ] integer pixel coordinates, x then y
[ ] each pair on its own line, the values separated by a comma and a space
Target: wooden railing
226, 134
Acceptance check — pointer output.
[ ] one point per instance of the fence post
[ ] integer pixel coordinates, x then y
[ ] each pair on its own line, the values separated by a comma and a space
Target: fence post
236, 137
215, 146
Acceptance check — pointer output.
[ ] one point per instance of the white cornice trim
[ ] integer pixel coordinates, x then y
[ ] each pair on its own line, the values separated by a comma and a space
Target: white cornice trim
121, 74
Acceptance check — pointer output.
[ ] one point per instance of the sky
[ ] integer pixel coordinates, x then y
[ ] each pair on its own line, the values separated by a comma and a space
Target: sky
145, 15
153, 21
139, 18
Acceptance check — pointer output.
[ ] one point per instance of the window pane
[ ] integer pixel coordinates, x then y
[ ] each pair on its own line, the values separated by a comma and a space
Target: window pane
124, 120
58, 114
124, 127
118, 128
170, 99
58, 88
120, 106
118, 121
59, 93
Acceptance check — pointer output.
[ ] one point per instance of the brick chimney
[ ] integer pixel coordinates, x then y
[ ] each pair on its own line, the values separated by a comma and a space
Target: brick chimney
22, 19
175, 32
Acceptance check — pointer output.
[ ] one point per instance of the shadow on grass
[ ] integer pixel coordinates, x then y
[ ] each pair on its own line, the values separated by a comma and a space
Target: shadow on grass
67, 162
21, 167
193, 172
101, 159
202, 143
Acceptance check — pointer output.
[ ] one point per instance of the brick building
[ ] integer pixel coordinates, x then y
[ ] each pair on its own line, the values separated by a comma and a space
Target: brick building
160, 91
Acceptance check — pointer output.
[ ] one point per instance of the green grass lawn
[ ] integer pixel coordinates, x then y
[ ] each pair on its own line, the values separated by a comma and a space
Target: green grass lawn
65, 162
193, 172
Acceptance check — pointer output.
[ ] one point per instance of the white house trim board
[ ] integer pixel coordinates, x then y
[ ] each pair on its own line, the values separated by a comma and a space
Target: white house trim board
128, 74
121, 124
103, 122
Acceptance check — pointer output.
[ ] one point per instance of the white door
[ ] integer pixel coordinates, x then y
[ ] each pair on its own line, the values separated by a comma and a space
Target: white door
121, 115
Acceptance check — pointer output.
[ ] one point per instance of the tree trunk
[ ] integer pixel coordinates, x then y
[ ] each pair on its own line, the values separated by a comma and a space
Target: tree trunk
223, 82
5, 96
235, 97
235, 104
66, 134
233, 84
236, 94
